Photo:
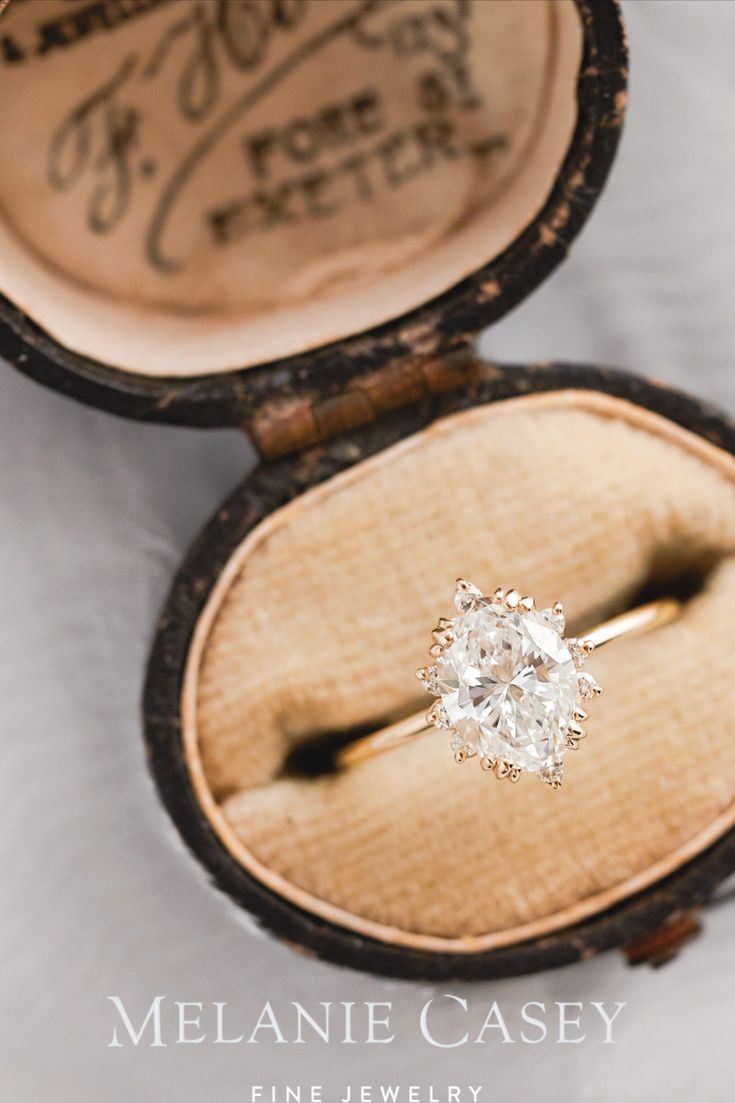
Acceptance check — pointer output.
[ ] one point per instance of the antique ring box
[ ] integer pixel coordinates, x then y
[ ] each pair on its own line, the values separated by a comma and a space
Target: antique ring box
293, 217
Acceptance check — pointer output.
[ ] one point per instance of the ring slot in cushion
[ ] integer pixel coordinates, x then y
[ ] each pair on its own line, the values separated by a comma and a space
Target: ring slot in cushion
329, 613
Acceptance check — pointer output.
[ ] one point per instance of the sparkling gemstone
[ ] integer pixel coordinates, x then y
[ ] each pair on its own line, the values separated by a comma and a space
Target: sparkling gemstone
588, 687
427, 676
466, 596
509, 684
556, 620
579, 652
438, 716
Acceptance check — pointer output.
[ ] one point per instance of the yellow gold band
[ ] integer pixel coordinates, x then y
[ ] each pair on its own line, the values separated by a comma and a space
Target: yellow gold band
634, 622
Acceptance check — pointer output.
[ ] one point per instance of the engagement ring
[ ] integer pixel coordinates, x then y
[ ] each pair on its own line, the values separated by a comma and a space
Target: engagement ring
509, 685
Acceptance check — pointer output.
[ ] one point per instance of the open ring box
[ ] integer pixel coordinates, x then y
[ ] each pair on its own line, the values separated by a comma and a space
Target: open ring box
293, 217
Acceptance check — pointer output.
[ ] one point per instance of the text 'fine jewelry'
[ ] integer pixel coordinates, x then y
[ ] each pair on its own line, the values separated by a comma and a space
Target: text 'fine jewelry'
508, 683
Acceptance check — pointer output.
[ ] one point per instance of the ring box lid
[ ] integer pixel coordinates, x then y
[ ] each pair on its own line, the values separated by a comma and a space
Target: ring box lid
212, 212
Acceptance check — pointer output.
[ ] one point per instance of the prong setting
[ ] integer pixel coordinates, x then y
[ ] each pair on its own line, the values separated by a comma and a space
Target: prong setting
580, 651
588, 687
437, 716
553, 775
512, 600
427, 676
555, 617
443, 634
466, 596
573, 736
506, 605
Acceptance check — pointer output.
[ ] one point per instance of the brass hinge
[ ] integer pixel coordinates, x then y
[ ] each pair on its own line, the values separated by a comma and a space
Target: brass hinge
290, 425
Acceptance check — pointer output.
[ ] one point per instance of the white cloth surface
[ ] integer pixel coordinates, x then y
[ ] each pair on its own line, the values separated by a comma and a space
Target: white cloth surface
97, 897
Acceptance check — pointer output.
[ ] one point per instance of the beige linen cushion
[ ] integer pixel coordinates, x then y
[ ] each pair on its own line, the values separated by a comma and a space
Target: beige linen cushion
325, 612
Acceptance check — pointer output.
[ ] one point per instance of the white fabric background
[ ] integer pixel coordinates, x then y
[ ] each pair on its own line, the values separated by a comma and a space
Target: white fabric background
97, 897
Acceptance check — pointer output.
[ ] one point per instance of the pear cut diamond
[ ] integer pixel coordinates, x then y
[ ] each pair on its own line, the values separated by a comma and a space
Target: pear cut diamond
508, 683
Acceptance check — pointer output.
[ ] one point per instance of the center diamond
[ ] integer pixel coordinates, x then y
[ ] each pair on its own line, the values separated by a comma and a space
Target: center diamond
509, 684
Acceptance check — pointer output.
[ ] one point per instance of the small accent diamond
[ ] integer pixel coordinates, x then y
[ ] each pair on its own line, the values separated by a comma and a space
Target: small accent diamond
438, 716
588, 687
555, 619
466, 596
553, 775
427, 676
580, 651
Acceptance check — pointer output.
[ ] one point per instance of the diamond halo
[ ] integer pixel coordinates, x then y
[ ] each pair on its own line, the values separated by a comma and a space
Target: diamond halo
508, 684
